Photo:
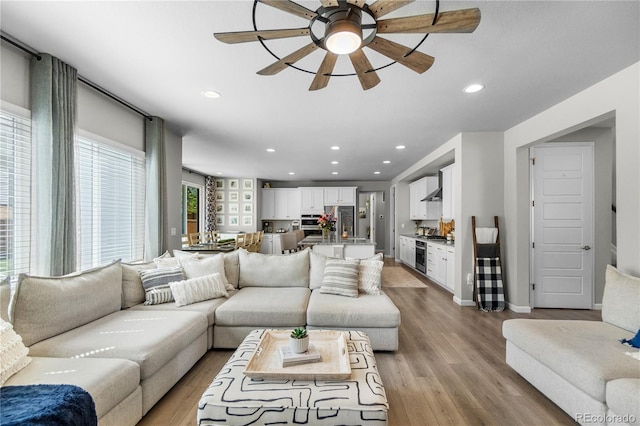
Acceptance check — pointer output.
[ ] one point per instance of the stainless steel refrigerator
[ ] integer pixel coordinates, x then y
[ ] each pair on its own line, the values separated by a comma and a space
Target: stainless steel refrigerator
345, 216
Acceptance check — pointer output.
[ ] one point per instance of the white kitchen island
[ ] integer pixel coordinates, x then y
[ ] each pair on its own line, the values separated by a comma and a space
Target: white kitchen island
356, 248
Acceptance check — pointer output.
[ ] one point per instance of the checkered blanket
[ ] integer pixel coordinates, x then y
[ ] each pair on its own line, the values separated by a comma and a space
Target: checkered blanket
490, 293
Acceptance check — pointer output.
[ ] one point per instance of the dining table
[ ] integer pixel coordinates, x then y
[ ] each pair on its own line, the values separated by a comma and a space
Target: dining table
211, 247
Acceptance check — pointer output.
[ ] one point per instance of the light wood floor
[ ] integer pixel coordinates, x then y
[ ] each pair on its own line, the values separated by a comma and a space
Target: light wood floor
449, 370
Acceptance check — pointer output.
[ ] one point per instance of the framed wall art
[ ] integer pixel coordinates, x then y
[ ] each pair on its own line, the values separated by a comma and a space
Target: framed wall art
234, 196
234, 184
233, 221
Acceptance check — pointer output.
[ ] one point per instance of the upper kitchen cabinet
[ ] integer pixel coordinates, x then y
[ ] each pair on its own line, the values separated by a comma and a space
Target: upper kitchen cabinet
448, 185
311, 200
340, 196
418, 190
280, 204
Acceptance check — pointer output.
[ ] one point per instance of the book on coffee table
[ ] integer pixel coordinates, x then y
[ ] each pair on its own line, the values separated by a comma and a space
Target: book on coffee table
289, 357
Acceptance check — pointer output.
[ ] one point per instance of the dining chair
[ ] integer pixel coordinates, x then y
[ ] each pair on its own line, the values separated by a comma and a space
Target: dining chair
240, 239
289, 242
257, 241
195, 238
248, 240
185, 240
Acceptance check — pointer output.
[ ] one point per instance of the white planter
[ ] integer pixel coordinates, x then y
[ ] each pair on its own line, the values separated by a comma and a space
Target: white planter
299, 345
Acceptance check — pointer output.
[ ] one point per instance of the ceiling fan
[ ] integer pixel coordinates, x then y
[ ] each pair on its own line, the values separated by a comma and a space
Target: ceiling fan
351, 25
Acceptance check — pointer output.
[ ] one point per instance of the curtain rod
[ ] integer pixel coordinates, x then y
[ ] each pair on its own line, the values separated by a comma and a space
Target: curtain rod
9, 39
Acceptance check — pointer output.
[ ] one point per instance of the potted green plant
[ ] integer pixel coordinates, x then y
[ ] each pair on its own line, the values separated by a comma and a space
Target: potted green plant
299, 340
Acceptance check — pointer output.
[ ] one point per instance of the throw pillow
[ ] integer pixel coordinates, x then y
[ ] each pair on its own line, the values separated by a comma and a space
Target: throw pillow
156, 284
340, 277
13, 353
5, 297
132, 289
198, 289
166, 261
200, 267
317, 262
370, 276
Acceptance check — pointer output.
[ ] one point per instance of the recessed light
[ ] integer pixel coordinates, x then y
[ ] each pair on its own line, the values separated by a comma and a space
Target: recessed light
473, 88
335, 162
271, 150
386, 162
376, 173
335, 148
212, 94
334, 173
292, 173
219, 173
400, 147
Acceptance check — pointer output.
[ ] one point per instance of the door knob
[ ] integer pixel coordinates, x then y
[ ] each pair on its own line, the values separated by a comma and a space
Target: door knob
586, 248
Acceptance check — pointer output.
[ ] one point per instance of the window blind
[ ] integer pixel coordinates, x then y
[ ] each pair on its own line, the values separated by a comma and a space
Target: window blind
15, 193
111, 186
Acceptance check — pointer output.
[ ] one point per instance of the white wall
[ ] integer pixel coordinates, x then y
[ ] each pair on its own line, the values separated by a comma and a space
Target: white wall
173, 145
618, 95
479, 187
14, 69
103, 116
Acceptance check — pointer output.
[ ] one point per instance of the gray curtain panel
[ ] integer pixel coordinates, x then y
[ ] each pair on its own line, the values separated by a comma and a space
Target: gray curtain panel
156, 224
54, 127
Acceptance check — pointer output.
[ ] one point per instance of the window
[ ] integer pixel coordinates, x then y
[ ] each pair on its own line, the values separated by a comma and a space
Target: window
15, 193
111, 185
192, 208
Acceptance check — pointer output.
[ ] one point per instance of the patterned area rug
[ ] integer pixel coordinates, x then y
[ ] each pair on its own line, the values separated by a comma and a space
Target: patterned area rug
396, 276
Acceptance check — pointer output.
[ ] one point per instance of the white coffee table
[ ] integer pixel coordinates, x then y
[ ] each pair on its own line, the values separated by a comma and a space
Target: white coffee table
235, 399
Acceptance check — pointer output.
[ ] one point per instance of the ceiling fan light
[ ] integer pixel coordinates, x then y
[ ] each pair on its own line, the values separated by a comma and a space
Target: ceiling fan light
343, 42
343, 33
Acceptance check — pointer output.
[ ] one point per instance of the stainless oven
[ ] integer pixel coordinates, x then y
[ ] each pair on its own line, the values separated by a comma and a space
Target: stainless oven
421, 256
309, 222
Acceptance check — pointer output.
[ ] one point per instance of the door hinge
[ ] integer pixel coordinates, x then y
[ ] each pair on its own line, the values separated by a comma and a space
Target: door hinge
533, 286
533, 161
533, 245
533, 203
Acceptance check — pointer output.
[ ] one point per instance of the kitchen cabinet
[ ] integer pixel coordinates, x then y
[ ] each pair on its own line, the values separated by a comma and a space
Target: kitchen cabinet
271, 244
451, 267
340, 196
408, 251
423, 210
437, 262
448, 185
311, 200
280, 204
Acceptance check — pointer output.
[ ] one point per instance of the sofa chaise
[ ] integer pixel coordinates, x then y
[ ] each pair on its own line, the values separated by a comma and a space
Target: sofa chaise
93, 329
582, 365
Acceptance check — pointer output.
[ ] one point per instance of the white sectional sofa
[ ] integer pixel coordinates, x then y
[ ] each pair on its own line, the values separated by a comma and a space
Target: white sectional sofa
92, 330
581, 365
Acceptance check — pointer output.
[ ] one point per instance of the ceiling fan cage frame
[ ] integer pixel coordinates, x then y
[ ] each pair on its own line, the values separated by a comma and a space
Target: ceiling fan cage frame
321, 11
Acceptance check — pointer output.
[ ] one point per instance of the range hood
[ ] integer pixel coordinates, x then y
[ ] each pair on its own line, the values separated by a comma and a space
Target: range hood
434, 196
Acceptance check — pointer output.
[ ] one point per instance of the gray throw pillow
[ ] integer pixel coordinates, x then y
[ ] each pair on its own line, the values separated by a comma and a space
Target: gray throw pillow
156, 284
340, 277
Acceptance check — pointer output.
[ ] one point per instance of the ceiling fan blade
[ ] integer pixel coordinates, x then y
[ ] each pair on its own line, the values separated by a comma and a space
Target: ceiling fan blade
382, 7
291, 7
417, 61
245, 36
329, 3
361, 64
323, 75
359, 3
292, 58
457, 21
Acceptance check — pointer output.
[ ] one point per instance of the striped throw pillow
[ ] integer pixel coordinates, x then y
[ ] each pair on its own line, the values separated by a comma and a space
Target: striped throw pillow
156, 284
340, 277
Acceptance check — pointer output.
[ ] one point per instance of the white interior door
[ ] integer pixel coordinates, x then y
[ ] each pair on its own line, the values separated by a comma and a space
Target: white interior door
563, 225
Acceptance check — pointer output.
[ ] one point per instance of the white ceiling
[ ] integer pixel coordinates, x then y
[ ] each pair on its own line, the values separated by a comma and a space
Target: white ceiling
161, 56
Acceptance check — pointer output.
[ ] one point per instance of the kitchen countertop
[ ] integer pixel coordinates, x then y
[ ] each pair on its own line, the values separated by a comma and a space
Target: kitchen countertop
430, 240
313, 240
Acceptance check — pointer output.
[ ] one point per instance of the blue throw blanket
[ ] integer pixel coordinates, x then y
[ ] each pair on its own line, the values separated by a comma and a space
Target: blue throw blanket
46, 405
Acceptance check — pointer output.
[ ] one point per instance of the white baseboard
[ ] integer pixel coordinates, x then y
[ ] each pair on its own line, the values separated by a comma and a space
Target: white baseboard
519, 309
597, 307
461, 302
